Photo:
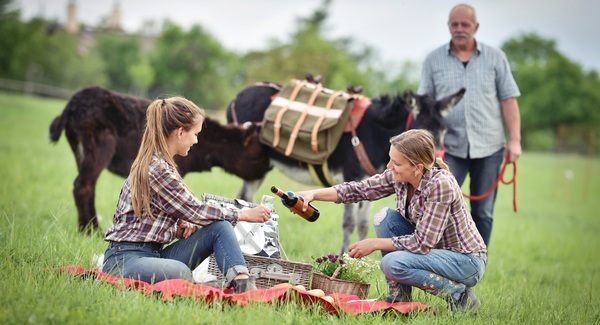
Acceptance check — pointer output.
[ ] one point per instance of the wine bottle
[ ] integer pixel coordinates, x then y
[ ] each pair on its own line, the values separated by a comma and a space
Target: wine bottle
291, 201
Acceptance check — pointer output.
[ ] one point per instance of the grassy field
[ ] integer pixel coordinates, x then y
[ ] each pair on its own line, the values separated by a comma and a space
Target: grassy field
544, 264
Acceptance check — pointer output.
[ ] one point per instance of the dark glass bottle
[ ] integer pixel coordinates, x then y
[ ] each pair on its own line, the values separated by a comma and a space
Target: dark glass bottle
291, 201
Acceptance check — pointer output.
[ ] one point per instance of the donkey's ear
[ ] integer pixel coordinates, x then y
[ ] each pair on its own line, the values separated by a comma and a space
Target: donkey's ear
448, 102
411, 102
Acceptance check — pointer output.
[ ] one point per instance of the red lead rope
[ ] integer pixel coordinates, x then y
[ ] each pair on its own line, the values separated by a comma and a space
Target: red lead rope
498, 180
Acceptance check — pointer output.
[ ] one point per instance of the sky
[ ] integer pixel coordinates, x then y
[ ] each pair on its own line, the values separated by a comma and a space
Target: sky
398, 30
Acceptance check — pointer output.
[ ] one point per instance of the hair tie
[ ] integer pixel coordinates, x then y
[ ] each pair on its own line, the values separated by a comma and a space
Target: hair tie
164, 102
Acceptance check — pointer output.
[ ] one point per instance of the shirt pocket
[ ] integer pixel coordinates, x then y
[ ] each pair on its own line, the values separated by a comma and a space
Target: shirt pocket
485, 79
448, 80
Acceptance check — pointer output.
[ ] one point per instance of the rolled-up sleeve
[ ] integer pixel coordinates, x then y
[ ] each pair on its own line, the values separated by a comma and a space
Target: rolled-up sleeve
373, 188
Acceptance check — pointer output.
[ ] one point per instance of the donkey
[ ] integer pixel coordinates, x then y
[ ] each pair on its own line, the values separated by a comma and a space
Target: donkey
105, 128
385, 117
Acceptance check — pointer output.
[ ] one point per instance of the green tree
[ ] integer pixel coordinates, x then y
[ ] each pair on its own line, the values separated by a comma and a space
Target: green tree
120, 52
40, 51
339, 61
142, 76
11, 32
555, 91
195, 65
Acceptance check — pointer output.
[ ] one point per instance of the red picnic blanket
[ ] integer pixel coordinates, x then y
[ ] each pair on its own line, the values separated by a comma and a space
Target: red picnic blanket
342, 303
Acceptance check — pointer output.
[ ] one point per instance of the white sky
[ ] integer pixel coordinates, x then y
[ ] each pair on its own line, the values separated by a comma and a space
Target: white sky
398, 29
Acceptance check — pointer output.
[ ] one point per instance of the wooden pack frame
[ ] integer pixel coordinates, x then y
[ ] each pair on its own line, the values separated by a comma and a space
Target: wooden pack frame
306, 121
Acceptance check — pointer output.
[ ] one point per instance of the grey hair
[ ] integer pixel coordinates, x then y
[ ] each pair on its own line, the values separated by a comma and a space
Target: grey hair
464, 6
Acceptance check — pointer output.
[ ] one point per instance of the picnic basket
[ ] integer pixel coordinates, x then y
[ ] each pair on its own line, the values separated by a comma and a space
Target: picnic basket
332, 285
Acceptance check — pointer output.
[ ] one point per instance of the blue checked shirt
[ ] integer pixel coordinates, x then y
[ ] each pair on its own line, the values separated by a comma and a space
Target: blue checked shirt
171, 201
475, 124
437, 209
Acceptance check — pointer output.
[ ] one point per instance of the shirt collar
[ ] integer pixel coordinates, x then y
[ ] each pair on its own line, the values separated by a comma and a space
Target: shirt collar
477, 47
427, 176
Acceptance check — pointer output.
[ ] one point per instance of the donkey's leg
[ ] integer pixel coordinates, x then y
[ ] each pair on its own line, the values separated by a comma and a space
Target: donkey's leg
363, 219
92, 160
348, 224
249, 189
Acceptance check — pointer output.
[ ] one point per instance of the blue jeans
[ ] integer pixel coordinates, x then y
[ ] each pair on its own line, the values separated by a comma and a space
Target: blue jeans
440, 272
143, 262
483, 173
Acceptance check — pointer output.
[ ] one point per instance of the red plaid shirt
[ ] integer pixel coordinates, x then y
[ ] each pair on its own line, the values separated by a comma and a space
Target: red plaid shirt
171, 201
437, 210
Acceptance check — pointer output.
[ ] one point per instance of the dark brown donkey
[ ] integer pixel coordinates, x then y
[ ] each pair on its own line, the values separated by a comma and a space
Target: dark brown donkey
104, 130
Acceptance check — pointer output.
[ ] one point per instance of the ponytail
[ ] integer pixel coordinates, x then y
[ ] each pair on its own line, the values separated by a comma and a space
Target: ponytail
440, 163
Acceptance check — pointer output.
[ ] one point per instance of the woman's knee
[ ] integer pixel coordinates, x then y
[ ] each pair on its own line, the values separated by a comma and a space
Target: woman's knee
391, 265
177, 270
380, 217
221, 227
157, 269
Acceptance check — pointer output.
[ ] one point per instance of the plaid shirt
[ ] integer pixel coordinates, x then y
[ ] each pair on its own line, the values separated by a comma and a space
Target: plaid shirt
475, 127
171, 201
437, 210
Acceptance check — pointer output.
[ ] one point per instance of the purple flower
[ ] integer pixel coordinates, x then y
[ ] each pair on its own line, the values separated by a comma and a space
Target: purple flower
331, 256
333, 259
324, 258
319, 260
341, 261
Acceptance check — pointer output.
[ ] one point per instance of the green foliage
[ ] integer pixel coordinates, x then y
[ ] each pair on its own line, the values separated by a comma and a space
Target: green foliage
142, 76
120, 52
554, 90
11, 32
30, 51
309, 51
195, 65
543, 140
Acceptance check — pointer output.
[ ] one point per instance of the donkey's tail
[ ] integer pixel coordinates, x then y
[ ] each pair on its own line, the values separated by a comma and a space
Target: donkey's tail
58, 125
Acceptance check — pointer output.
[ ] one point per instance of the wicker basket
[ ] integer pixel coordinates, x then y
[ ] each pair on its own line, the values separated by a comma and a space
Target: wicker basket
331, 285
270, 271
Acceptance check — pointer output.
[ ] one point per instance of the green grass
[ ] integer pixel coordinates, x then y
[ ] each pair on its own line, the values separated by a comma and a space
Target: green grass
544, 266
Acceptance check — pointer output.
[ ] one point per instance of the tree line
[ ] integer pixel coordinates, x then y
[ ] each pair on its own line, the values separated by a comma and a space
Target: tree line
556, 92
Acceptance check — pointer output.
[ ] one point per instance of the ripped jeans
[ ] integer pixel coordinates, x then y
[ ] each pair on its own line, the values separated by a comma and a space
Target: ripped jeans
440, 272
149, 263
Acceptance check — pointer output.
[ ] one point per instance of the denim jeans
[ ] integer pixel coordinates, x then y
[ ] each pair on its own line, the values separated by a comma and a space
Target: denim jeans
176, 261
483, 173
440, 272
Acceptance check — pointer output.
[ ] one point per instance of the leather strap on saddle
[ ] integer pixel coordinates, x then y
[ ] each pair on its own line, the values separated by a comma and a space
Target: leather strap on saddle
314, 144
279, 117
361, 153
361, 104
294, 134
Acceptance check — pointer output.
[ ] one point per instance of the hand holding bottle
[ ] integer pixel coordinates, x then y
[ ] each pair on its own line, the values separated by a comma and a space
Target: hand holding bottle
297, 205
307, 197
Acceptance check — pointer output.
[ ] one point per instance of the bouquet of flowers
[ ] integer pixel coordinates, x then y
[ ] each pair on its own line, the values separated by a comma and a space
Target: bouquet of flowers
346, 268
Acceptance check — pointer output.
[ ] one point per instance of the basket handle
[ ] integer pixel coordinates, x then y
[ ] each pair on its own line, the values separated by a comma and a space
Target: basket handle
336, 272
262, 274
